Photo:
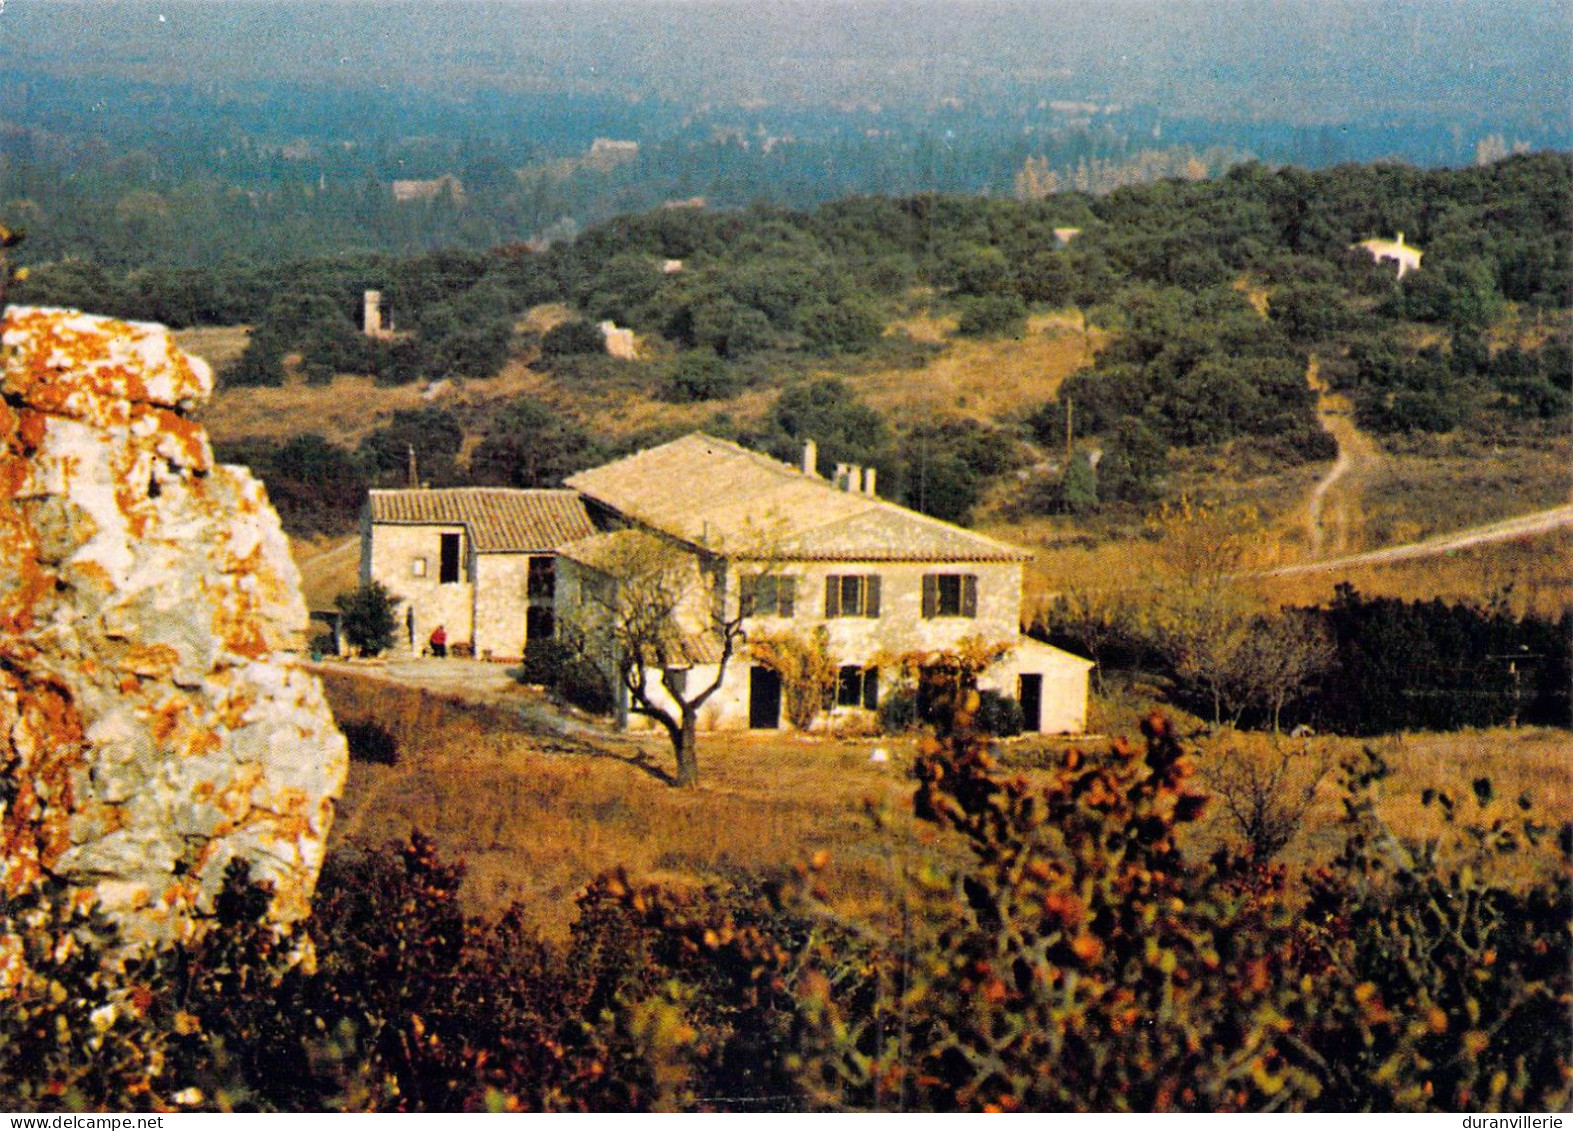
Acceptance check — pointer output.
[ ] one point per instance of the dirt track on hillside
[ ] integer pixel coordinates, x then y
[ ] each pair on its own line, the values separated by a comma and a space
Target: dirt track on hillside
1523, 526
1333, 514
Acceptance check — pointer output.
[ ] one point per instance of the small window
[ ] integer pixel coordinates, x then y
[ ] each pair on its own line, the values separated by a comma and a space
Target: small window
852, 595
542, 578
676, 681
950, 595
418, 567
449, 565
858, 687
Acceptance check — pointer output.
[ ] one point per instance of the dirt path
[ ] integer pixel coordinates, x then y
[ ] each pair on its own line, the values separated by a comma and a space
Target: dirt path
1333, 512
494, 685
1523, 526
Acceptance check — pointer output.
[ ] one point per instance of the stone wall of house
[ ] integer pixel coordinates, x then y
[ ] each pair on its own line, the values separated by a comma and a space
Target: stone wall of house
501, 581
1063, 703
391, 558
155, 718
901, 626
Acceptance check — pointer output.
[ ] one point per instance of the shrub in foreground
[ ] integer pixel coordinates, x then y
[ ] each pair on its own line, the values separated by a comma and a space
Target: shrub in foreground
1060, 953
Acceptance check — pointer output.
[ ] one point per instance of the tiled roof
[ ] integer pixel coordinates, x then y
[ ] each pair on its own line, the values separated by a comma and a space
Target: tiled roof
714, 493
499, 519
615, 548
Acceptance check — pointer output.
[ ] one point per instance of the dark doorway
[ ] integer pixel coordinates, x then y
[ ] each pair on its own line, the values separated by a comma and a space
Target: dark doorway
540, 623
764, 699
1029, 693
448, 567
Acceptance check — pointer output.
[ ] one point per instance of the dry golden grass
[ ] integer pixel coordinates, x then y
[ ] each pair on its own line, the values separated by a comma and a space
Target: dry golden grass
217, 345
1533, 763
344, 410
328, 567
989, 379
536, 817
1534, 574
1452, 486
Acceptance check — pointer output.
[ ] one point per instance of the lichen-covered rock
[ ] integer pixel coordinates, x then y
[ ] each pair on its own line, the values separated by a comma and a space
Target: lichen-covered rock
155, 720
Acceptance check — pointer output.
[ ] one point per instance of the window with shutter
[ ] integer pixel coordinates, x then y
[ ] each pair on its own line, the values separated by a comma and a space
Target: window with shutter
950, 595
851, 595
765, 596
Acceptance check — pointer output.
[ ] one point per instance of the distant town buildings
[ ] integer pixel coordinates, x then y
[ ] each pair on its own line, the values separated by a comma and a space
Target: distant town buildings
408, 192
608, 153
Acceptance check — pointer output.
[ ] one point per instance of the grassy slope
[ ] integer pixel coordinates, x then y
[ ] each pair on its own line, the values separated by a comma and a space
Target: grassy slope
535, 820
1442, 484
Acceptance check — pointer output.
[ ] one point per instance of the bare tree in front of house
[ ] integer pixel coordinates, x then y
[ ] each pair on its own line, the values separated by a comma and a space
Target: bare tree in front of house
657, 613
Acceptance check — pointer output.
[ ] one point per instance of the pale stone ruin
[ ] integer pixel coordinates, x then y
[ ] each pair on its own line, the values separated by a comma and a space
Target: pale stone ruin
155, 718
620, 342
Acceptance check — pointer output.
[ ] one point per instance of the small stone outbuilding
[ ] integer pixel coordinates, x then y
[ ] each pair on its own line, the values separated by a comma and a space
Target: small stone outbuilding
479, 561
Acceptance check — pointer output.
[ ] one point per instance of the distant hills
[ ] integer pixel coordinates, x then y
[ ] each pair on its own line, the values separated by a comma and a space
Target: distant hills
207, 132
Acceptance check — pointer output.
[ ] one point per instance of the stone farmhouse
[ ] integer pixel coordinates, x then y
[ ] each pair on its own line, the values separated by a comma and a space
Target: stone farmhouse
804, 551
478, 561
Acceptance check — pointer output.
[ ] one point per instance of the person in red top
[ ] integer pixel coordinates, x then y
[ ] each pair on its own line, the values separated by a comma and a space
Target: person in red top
439, 641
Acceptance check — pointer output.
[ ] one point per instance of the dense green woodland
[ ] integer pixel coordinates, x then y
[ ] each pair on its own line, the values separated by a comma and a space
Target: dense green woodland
763, 294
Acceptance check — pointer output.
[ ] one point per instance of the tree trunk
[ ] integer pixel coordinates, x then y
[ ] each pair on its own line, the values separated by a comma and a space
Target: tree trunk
687, 745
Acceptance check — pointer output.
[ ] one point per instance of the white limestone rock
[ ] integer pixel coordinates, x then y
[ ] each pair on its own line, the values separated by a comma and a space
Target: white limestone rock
155, 719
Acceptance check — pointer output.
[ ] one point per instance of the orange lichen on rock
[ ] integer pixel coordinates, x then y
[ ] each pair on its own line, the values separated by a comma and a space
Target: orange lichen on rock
153, 707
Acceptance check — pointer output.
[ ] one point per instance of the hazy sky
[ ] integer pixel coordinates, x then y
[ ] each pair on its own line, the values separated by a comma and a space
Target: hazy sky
1320, 60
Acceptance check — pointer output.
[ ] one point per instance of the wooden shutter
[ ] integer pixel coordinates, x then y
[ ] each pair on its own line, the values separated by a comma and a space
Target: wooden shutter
832, 596
871, 688
871, 595
748, 594
930, 595
969, 595
786, 596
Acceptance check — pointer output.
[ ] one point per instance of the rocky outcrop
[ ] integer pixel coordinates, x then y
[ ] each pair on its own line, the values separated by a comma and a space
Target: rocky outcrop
155, 720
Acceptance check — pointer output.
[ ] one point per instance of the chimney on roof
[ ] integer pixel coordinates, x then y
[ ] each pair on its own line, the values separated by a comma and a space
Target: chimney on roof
868, 481
810, 458
414, 476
